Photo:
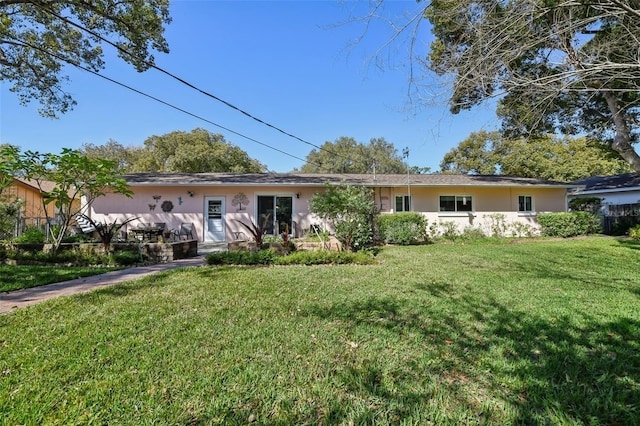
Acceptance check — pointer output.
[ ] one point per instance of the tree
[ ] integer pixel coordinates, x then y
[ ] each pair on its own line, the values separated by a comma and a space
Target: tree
477, 154
555, 66
568, 66
9, 156
124, 157
75, 176
350, 209
544, 157
198, 151
40, 37
346, 155
9, 206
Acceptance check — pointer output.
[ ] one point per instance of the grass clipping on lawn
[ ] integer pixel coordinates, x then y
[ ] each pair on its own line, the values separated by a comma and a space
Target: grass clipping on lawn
529, 333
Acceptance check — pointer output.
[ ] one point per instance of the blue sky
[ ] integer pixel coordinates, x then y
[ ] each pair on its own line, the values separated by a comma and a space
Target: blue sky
288, 63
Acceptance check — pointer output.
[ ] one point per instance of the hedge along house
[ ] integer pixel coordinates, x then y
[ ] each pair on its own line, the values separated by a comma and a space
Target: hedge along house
216, 202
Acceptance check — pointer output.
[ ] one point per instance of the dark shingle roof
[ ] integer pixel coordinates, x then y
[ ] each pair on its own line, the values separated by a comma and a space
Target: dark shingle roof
312, 179
597, 183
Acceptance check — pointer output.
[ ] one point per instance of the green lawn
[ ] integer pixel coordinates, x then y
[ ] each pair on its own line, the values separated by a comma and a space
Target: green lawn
24, 276
542, 332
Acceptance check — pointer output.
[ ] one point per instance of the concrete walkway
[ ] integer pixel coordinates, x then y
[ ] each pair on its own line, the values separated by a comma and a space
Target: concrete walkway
30, 296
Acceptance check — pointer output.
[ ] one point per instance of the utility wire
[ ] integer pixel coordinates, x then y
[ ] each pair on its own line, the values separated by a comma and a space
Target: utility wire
186, 83
161, 101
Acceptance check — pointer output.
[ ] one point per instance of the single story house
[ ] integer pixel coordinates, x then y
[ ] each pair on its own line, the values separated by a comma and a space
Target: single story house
216, 203
613, 190
620, 195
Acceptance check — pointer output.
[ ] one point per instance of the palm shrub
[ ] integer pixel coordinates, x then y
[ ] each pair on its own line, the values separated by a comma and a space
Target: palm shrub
257, 231
402, 228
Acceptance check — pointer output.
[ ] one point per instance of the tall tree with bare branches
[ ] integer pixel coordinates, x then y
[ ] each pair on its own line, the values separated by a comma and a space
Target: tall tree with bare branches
566, 66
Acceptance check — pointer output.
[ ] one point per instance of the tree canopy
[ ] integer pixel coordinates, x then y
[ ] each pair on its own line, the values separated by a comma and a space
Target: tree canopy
568, 67
346, 155
9, 163
197, 151
558, 65
124, 157
39, 38
545, 157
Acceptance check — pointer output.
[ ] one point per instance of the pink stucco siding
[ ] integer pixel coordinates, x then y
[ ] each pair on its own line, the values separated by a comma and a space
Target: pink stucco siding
174, 203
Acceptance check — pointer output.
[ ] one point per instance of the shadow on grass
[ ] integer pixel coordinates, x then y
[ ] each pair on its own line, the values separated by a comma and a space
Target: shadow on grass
629, 243
547, 370
135, 285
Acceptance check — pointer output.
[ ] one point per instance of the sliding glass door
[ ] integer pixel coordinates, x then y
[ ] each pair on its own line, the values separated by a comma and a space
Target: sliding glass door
275, 213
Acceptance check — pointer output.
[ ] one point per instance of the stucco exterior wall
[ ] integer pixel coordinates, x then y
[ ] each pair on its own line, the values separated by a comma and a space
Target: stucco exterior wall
487, 201
497, 199
191, 209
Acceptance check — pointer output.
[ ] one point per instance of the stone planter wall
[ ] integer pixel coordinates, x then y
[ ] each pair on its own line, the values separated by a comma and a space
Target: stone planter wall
167, 252
333, 244
155, 252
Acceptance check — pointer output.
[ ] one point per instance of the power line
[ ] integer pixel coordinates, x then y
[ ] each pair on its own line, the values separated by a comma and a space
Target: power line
26, 44
186, 83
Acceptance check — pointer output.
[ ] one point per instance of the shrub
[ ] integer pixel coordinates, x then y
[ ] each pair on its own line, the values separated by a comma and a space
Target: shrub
497, 224
471, 233
31, 235
355, 234
8, 218
519, 229
241, 257
126, 258
325, 257
568, 224
76, 257
77, 238
634, 232
269, 257
402, 228
350, 210
449, 230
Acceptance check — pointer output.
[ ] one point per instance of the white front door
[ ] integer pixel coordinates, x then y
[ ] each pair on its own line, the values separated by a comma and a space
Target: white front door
214, 219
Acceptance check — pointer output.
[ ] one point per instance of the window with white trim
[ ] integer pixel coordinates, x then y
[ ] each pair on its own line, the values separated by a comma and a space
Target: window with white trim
456, 203
403, 203
525, 203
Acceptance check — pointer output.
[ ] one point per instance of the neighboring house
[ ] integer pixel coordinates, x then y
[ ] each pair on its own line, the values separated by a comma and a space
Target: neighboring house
33, 210
620, 195
28, 192
215, 202
613, 190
